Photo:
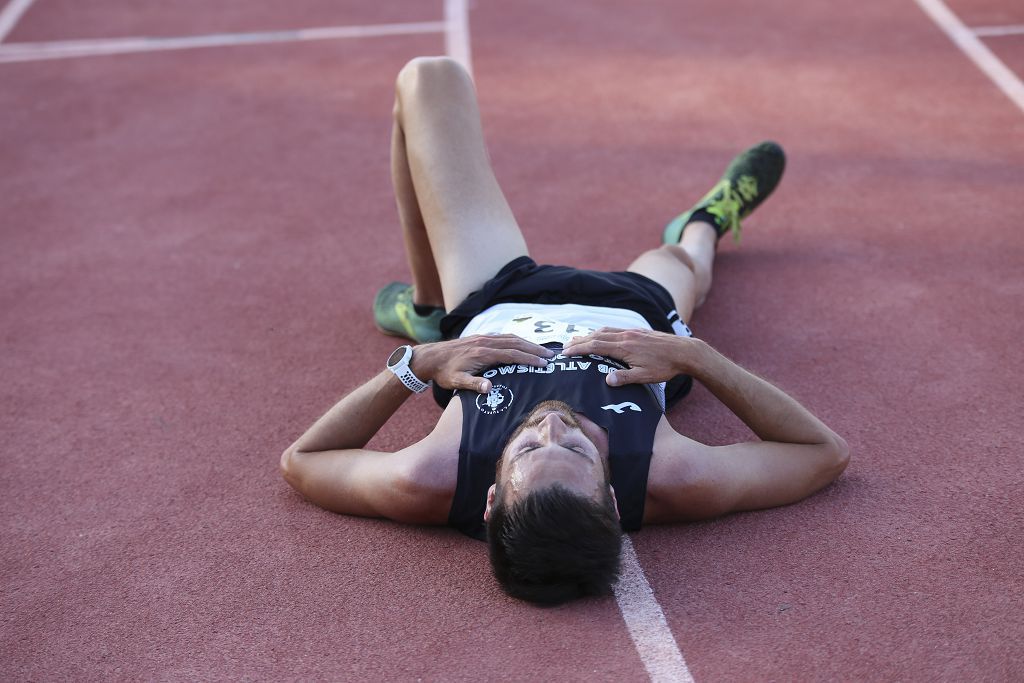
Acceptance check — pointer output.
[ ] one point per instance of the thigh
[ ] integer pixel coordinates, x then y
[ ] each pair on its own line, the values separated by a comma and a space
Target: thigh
469, 223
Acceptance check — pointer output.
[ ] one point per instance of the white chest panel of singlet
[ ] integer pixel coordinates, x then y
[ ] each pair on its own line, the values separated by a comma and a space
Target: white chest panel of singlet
545, 323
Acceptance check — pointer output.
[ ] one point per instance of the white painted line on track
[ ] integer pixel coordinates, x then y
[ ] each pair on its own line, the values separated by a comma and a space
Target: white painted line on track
646, 622
456, 35
987, 31
23, 52
969, 43
10, 15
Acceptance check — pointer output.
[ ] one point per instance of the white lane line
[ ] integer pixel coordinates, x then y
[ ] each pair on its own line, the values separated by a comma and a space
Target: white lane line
456, 36
646, 622
1013, 30
22, 52
982, 57
11, 14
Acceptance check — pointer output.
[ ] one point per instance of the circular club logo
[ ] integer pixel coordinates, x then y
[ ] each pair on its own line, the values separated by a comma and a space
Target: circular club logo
497, 400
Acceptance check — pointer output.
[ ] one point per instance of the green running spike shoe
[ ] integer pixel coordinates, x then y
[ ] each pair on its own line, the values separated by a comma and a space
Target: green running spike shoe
394, 314
747, 182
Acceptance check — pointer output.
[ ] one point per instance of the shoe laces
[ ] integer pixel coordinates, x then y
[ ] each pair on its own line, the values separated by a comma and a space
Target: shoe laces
727, 205
746, 185
729, 202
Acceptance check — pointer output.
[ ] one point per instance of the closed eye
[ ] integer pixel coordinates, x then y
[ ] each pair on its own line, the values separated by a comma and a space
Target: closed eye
568, 446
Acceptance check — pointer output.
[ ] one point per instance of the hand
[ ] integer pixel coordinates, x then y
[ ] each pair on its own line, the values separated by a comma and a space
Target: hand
451, 364
652, 356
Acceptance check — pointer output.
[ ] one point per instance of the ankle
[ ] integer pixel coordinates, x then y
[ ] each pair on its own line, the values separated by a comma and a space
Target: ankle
423, 310
704, 217
426, 302
699, 231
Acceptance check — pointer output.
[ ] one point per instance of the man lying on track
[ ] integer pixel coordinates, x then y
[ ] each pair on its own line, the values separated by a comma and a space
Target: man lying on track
558, 439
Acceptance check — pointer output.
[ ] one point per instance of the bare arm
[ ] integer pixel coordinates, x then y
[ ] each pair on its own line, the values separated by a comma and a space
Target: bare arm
356, 418
329, 465
797, 455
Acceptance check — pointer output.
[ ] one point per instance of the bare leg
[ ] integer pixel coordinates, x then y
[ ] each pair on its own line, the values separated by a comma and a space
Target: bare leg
425, 281
683, 269
459, 230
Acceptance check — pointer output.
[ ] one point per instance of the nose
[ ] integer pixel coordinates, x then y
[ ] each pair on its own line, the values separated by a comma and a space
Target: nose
552, 426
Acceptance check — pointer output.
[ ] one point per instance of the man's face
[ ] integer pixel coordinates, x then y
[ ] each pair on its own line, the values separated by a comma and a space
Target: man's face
552, 445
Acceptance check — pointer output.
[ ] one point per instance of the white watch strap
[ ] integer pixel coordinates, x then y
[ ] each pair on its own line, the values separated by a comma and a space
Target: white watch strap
411, 381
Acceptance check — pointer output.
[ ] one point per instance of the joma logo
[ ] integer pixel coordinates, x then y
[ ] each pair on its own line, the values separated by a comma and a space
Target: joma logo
620, 407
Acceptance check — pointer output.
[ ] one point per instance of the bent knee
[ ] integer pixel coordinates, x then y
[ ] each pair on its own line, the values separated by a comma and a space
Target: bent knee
679, 254
701, 274
430, 73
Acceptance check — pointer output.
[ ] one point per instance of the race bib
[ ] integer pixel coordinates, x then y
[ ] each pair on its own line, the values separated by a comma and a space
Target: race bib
542, 328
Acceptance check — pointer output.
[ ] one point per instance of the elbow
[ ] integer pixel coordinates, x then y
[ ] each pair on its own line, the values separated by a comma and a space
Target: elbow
840, 452
289, 465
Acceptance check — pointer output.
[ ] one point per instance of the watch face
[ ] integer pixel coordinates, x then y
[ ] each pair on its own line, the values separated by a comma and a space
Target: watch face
396, 356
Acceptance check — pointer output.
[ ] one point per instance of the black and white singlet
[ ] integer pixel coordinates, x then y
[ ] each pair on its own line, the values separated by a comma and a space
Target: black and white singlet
629, 414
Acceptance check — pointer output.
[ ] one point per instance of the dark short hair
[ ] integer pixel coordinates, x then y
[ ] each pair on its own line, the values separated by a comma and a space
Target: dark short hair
554, 545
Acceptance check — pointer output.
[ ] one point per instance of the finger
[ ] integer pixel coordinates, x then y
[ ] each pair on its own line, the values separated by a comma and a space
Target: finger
605, 334
568, 349
597, 346
617, 378
457, 379
576, 347
511, 341
571, 348
507, 356
508, 341
464, 380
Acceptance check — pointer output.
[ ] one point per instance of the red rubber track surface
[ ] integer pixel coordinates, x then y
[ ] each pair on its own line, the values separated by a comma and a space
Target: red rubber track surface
192, 239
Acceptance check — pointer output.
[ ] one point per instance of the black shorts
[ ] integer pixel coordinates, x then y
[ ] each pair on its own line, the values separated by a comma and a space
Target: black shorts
523, 281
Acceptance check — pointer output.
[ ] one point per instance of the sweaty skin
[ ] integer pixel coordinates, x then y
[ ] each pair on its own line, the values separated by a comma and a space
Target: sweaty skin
553, 445
794, 456
459, 231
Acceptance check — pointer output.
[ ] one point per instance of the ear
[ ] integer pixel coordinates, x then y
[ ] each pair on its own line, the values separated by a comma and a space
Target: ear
490, 501
611, 490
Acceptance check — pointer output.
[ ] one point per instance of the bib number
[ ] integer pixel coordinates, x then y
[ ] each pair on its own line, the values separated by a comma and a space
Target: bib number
545, 330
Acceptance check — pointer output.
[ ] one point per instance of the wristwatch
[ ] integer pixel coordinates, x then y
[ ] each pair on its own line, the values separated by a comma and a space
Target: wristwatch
398, 363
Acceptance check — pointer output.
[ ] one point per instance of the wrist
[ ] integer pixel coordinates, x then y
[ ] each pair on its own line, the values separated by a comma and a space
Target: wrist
691, 356
422, 361
399, 363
